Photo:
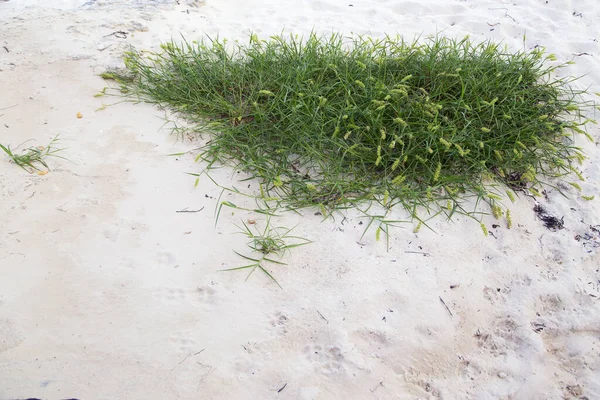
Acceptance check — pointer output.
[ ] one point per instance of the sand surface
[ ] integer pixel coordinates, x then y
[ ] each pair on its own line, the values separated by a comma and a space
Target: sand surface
106, 292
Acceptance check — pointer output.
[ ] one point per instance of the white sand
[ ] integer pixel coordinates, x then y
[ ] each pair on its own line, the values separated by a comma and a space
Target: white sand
107, 293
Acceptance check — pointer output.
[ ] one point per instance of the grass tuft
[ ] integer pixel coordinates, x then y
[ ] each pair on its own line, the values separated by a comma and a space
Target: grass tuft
268, 243
31, 158
326, 123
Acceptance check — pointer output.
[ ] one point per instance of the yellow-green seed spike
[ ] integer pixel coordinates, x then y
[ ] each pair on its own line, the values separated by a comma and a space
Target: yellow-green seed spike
508, 219
588, 198
398, 180
418, 227
510, 195
497, 211
436, 174
336, 132
323, 210
378, 234
535, 192
400, 121
581, 178
266, 93
484, 229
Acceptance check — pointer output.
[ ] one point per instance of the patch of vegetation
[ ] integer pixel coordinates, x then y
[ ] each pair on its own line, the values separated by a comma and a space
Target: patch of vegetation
270, 242
431, 126
31, 158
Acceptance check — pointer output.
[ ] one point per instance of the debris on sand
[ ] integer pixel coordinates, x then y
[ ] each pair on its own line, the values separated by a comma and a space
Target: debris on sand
591, 239
551, 222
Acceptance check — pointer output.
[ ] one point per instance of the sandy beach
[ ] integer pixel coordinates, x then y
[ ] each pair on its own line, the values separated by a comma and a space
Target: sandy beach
108, 292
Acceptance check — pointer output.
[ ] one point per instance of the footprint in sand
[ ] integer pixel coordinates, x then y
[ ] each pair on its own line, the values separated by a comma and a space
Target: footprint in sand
202, 295
184, 342
10, 336
327, 359
279, 321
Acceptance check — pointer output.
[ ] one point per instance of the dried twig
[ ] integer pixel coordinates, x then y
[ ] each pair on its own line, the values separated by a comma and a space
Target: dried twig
417, 252
506, 14
6, 108
185, 210
444, 303
322, 316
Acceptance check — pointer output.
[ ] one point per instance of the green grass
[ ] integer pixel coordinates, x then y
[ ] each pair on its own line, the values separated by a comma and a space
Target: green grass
433, 126
32, 158
268, 243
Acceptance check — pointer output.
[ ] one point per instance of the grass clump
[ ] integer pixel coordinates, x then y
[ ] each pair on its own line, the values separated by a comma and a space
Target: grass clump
268, 243
31, 158
328, 123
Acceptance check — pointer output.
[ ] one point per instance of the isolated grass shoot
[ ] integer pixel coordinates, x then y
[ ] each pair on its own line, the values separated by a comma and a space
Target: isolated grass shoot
32, 158
266, 244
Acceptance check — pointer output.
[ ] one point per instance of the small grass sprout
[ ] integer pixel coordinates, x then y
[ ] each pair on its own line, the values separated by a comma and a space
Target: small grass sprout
268, 244
32, 158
